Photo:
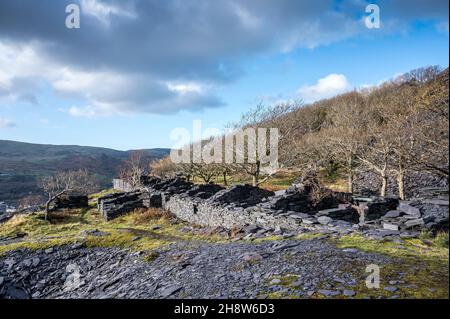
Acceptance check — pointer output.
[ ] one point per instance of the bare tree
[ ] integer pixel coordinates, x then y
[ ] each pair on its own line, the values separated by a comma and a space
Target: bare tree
66, 183
133, 169
420, 75
343, 137
164, 167
278, 116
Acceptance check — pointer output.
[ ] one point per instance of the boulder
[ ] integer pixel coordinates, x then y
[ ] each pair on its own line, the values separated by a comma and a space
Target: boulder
376, 208
348, 214
414, 222
393, 214
324, 220
390, 226
407, 208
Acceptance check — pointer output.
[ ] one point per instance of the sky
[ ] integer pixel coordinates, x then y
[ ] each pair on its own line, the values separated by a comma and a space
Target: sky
135, 70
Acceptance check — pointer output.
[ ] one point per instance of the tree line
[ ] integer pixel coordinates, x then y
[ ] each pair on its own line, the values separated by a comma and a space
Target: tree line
393, 129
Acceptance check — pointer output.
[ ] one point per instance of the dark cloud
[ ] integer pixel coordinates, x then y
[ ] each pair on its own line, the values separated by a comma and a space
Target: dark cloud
155, 46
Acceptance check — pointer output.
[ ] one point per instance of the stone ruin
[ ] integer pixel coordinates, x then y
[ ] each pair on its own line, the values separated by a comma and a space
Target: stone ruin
117, 204
69, 202
305, 206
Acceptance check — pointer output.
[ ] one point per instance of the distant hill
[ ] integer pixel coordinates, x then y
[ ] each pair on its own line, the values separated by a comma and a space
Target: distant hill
23, 164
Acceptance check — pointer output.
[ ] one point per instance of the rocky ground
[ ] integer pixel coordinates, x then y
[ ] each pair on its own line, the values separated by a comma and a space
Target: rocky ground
150, 253
269, 269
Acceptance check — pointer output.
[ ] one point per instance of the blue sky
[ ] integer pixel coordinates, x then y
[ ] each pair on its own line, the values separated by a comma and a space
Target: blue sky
126, 79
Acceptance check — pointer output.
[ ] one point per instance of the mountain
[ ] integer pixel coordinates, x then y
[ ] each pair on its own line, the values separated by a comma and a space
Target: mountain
23, 164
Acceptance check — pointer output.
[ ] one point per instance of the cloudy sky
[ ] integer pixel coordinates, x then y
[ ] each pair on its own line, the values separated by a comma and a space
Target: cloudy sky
137, 69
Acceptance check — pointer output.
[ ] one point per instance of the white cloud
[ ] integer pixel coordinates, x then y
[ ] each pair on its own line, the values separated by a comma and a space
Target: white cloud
247, 19
6, 123
103, 92
104, 11
326, 87
153, 56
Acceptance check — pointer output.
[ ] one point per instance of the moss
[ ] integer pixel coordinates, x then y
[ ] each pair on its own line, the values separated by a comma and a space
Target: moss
268, 238
102, 193
35, 245
67, 226
409, 248
422, 266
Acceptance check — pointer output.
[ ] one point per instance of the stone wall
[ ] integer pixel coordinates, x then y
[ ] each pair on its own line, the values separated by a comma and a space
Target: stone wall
292, 210
206, 214
117, 204
243, 205
70, 201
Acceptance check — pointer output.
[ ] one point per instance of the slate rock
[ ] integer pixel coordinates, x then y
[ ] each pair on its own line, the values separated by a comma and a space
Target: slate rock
405, 206
324, 220
170, 290
390, 226
414, 222
393, 214
349, 293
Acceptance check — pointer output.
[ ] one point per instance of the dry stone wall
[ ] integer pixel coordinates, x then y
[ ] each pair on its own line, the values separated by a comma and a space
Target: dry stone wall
291, 210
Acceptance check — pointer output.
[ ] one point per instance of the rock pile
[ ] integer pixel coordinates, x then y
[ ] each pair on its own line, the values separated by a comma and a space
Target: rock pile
373, 208
241, 195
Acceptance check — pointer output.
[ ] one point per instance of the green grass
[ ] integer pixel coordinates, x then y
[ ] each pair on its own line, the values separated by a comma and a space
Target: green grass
67, 227
424, 262
420, 265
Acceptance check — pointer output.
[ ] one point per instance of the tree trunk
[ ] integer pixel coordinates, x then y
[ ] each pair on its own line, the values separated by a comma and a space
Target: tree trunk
50, 200
383, 184
350, 183
401, 182
47, 208
350, 176
225, 182
255, 180
256, 174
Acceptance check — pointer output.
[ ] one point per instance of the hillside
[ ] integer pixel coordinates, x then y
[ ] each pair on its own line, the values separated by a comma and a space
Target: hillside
22, 164
389, 139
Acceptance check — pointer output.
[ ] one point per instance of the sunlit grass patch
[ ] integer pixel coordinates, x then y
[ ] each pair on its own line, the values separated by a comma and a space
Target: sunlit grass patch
141, 230
423, 265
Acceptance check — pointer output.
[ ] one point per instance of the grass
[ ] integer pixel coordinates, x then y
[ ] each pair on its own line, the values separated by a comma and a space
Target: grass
141, 230
283, 179
422, 263
94, 197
